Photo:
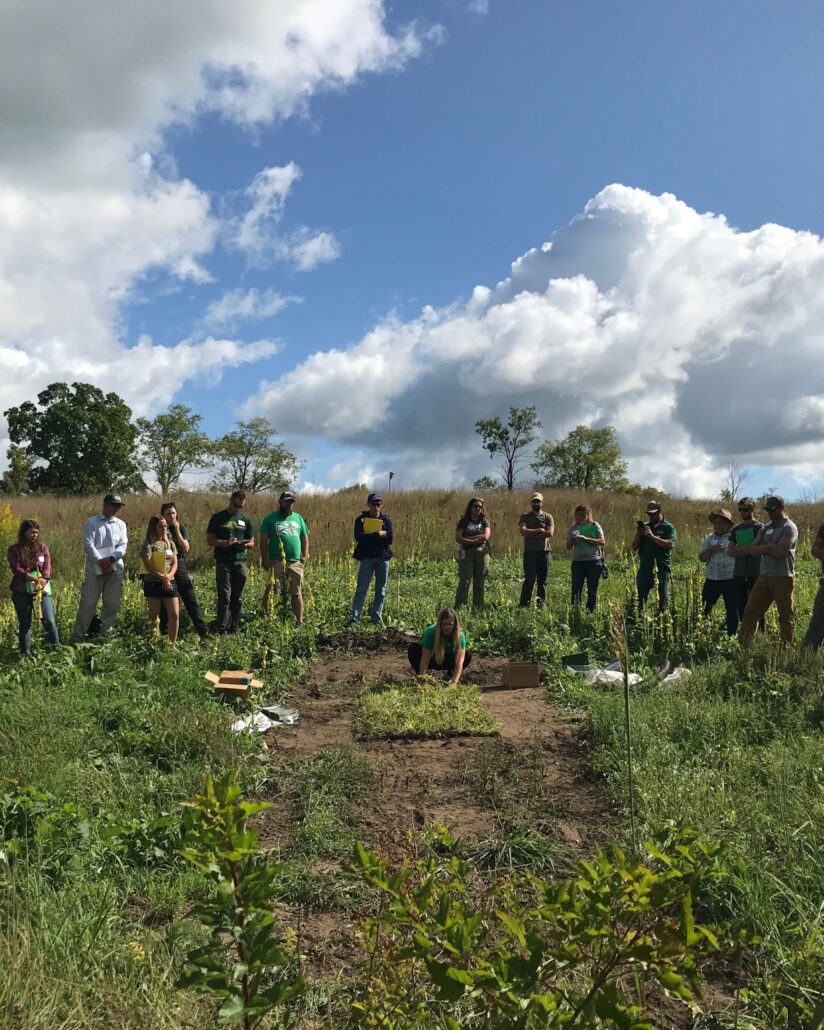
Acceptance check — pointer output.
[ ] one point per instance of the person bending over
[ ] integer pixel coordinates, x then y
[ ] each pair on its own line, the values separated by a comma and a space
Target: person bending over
442, 648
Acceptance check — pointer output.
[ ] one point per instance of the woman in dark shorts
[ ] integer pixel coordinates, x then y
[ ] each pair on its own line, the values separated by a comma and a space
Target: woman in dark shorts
159, 557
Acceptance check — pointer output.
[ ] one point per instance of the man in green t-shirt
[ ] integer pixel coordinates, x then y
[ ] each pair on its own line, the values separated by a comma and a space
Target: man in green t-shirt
654, 541
284, 548
232, 536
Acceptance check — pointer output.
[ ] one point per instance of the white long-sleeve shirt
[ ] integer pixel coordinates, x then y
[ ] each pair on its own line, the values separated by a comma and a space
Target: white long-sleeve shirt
105, 538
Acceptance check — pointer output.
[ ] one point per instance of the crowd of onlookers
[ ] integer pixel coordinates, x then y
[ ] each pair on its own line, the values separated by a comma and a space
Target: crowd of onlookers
748, 564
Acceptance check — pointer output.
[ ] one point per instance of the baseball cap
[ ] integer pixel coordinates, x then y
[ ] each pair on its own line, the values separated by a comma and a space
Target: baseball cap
287, 495
721, 513
773, 503
374, 499
651, 507
537, 497
114, 499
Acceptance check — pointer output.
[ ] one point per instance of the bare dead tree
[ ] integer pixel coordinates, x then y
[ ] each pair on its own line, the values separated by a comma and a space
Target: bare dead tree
736, 476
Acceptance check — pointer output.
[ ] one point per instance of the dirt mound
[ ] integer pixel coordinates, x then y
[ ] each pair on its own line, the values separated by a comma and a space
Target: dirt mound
353, 641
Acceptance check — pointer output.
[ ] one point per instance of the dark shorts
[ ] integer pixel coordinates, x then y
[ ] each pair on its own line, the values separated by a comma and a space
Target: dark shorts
154, 588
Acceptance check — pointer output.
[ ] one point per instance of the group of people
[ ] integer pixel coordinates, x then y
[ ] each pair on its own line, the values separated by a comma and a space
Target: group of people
749, 565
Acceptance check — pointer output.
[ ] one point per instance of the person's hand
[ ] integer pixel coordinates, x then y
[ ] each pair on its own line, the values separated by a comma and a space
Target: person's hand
232, 541
107, 566
381, 532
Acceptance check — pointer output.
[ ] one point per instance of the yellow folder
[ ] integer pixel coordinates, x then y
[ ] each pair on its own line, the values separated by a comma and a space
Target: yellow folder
372, 525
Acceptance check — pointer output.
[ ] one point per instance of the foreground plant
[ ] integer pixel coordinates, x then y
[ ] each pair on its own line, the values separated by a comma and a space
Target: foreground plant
244, 966
580, 954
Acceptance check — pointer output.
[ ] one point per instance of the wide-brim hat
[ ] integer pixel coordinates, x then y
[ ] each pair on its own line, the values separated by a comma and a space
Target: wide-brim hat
721, 513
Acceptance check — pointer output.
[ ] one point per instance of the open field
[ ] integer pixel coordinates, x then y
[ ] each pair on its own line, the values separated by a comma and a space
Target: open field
99, 745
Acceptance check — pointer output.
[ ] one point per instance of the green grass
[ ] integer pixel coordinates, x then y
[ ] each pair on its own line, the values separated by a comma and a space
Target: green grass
422, 708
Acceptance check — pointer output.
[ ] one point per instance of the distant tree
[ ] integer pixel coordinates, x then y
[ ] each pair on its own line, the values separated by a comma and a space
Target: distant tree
736, 476
486, 483
586, 459
510, 441
248, 458
76, 440
172, 443
15, 479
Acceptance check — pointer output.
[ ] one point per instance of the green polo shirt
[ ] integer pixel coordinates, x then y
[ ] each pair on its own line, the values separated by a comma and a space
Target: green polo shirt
650, 552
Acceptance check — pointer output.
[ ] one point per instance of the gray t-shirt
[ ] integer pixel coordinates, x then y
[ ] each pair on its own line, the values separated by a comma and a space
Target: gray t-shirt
773, 533
745, 533
583, 551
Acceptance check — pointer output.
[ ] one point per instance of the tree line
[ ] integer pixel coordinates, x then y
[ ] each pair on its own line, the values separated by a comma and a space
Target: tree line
76, 439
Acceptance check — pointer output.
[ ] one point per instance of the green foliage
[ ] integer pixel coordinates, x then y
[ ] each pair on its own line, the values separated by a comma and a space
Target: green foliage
172, 443
510, 440
76, 440
244, 965
586, 459
424, 708
15, 480
534, 954
248, 458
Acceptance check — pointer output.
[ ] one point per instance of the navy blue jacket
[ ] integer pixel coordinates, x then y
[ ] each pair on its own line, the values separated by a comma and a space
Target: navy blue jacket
370, 545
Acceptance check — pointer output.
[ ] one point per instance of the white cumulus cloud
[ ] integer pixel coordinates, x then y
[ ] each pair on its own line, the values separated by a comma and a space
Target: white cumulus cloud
246, 305
695, 340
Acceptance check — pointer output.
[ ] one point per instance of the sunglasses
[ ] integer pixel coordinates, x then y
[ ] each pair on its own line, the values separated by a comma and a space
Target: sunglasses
476, 505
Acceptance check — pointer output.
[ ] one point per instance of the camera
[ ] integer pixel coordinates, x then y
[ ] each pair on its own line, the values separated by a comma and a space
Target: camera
640, 524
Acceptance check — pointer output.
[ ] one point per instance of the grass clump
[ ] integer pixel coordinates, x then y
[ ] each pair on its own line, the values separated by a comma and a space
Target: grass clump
424, 708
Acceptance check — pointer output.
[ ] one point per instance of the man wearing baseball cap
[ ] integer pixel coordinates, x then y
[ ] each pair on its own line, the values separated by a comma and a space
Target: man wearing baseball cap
775, 544
374, 534
284, 547
105, 540
537, 527
654, 541
231, 534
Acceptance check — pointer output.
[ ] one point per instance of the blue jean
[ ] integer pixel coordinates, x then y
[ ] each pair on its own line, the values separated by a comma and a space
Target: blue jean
645, 580
369, 567
588, 572
24, 606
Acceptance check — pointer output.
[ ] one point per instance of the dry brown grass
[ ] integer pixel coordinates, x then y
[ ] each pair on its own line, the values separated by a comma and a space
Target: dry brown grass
424, 519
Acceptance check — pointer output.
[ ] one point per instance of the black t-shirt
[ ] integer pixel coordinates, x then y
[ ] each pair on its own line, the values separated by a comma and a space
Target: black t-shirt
750, 565
226, 524
470, 527
820, 536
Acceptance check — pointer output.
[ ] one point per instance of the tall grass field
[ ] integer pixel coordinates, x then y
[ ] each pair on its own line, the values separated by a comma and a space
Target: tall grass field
101, 744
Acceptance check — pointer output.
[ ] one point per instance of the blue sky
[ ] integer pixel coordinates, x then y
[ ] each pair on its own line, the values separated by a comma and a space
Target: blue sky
473, 137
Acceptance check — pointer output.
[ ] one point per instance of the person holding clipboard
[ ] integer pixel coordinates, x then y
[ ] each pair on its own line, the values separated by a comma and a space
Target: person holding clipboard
586, 541
374, 534
747, 565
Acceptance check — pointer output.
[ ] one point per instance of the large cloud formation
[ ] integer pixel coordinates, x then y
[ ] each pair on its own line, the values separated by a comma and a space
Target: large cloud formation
89, 202
696, 341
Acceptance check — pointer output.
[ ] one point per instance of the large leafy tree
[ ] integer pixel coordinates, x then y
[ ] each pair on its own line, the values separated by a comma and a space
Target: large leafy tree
249, 458
76, 439
509, 440
15, 479
172, 443
586, 459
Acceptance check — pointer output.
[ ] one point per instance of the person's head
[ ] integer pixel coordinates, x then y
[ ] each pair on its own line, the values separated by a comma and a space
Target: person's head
156, 530
475, 509
374, 503
536, 501
447, 627
774, 507
583, 514
746, 507
237, 500
286, 502
28, 535
169, 510
112, 503
653, 510
721, 520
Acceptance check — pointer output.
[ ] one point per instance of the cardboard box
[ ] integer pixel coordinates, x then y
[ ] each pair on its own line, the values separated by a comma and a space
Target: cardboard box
522, 674
234, 682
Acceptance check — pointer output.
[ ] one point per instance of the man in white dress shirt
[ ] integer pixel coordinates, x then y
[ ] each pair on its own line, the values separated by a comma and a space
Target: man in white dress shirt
104, 541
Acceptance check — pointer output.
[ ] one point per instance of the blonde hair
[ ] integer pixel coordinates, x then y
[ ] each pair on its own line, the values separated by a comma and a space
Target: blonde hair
439, 650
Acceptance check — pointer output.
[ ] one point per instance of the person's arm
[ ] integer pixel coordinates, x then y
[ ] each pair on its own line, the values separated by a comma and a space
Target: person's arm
263, 540
636, 540
170, 575
304, 547
550, 529
734, 551
388, 531
88, 540
46, 571
181, 543
525, 531
122, 543
426, 658
782, 547
707, 550
359, 534
817, 549
666, 544
13, 558
146, 558
464, 541
572, 538
460, 655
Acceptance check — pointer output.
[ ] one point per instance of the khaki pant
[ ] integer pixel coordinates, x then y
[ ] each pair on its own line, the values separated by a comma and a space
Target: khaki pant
815, 631
766, 590
111, 589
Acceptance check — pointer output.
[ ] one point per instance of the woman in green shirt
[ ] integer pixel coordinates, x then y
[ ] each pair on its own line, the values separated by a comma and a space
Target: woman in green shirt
442, 647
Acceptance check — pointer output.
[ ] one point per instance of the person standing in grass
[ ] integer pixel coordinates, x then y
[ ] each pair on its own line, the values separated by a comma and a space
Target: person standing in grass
179, 535
442, 648
159, 556
537, 527
815, 631
719, 568
285, 529
775, 545
232, 536
472, 537
31, 567
654, 541
586, 541
747, 564
105, 540
374, 534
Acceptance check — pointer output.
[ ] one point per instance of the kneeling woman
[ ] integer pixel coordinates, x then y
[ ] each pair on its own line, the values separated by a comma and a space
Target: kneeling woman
160, 562
442, 648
